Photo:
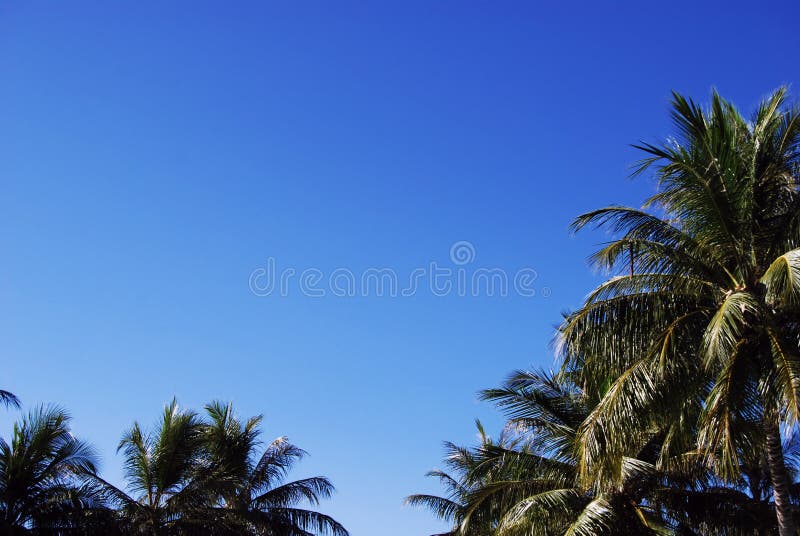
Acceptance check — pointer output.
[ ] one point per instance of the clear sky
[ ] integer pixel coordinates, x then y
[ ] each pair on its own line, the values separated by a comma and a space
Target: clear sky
153, 155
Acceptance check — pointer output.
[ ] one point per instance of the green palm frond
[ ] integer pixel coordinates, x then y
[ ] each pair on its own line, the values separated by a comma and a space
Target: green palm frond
726, 328
597, 517
44, 473
782, 279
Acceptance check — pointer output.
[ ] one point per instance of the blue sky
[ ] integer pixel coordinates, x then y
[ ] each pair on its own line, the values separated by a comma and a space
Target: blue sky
152, 156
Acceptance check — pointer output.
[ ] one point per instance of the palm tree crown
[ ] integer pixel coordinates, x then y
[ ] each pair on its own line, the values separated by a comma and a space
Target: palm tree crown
257, 498
43, 473
700, 327
191, 475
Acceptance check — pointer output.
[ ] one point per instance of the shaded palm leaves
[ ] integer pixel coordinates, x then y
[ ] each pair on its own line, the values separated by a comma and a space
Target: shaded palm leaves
255, 497
44, 475
461, 481
9, 399
164, 471
190, 476
527, 483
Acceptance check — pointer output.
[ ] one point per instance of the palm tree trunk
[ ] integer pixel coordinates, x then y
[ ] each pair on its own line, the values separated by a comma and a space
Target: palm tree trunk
780, 481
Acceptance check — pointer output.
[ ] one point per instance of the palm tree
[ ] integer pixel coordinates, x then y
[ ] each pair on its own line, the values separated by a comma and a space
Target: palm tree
255, 497
529, 484
43, 474
700, 326
164, 470
190, 476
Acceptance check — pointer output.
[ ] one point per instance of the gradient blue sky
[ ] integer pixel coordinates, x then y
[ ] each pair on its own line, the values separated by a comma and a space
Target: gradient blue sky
153, 154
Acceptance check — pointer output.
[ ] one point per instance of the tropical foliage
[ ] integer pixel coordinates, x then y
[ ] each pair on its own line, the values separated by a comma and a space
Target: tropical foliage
188, 475
674, 411
45, 475
678, 397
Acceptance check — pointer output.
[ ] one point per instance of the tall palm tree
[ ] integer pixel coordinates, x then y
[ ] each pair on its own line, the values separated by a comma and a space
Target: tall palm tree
43, 474
164, 473
255, 497
701, 323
